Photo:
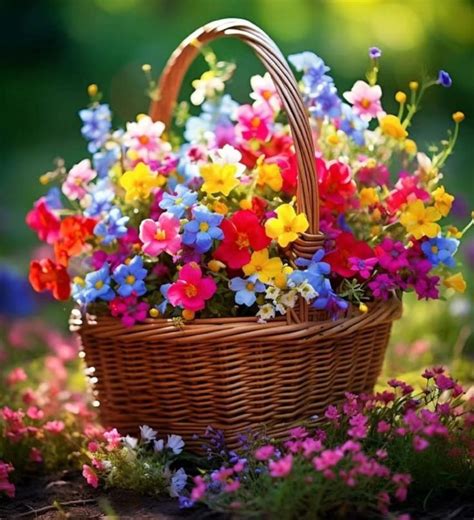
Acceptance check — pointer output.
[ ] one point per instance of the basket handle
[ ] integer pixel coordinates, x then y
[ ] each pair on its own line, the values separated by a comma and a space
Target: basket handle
170, 83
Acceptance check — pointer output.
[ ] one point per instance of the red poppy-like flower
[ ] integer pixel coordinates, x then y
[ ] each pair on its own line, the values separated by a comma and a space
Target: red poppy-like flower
347, 246
259, 206
336, 186
73, 233
241, 232
406, 188
42, 220
279, 145
46, 275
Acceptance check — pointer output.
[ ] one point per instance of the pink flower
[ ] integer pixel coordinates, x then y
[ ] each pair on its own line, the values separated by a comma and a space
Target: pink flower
365, 100
145, 136
35, 413
281, 467
35, 455
191, 290
298, 433
159, 236
363, 266
17, 375
75, 185
54, 426
311, 446
264, 91
90, 475
129, 309
358, 428
98, 464
42, 220
113, 439
419, 443
199, 489
444, 382
327, 459
383, 427
5, 485
264, 452
331, 413
254, 122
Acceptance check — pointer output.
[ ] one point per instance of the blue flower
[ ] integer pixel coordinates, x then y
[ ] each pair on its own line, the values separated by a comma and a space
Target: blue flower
112, 227
16, 295
202, 230
197, 128
221, 109
102, 196
323, 101
53, 198
308, 61
130, 277
97, 125
96, 286
375, 53
103, 161
177, 204
444, 79
164, 292
440, 250
245, 289
352, 125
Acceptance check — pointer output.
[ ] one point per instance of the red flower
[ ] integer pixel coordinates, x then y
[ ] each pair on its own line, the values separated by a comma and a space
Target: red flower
259, 206
43, 221
73, 233
405, 189
347, 246
289, 171
45, 275
336, 186
241, 232
279, 145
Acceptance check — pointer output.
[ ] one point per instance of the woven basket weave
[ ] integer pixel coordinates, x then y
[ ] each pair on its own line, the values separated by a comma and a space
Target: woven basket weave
235, 373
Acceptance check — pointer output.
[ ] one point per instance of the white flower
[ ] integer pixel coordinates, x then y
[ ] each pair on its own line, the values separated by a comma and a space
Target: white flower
145, 135
264, 91
130, 442
147, 433
175, 444
272, 292
207, 86
199, 130
178, 481
281, 309
158, 445
307, 291
228, 155
289, 299
266, 312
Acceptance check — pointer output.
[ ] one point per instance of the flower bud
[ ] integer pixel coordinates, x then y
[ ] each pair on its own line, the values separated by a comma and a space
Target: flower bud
458, 117
400, 97
413, 85
92, 90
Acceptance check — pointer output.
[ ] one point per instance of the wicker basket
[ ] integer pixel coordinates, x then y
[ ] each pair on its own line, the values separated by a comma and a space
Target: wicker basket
235, 373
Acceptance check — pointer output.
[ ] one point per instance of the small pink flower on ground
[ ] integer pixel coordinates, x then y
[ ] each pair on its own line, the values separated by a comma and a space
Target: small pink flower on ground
444, 382
161, 235
298, 433
17, 375
93, 446
264, 452
358, 428
365, 100
75, 185
90, 475
327, 459
383, 427
281, 467
54, 427
35, 455
239, 466
331, 413
232, 486
35, 413
5, 485
191, 290
419, 443
113, 438
199, 489
311, 446
98, 464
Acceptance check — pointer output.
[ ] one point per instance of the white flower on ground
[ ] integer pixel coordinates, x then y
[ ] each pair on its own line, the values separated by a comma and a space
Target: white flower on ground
130, 442
178, 481
175, 444
147, 433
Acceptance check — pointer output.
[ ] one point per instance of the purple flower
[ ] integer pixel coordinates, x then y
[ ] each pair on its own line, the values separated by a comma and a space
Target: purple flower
444, 79
392, 255
381, 286
374, 53
363, 266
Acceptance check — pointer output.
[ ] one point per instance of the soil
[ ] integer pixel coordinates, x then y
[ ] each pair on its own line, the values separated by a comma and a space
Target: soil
64, 496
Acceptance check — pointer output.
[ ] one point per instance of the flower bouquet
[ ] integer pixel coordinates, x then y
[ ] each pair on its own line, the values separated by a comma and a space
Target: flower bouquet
248, 271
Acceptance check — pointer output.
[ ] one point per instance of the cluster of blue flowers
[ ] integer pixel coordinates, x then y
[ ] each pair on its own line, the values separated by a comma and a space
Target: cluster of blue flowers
112, 226
441, 250
177, 203
97, 122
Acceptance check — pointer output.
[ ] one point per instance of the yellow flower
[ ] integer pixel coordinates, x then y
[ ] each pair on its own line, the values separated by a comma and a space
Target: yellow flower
458, 117
420, 221
413, 85
154, 312
443, 200
245, 204
368, 197
410, 147
454, 232
220, 207
264, 267
219, 178
456, 282
286, 227
270, 175
363, 308
391, 126
281, 278
215, 265
139, 182
400, 97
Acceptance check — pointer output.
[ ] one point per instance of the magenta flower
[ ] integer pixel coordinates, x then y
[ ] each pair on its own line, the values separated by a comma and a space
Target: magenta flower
35, 455
365, 100
382, 285
254, 122
129, 309
54, 427
161, 235
191, 290
90, 475
199, 489
264, 452
363, 267
17, 375
392, 255
327, 459
113, 438
75, 185
332, 413
281, 468
358, 428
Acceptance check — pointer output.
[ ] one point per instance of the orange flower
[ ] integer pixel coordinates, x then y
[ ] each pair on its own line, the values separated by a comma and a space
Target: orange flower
73, 233
45, 275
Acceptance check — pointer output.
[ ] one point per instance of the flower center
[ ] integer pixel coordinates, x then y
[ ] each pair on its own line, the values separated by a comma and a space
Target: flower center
78, 181
434, 249
250, 286
255, 122
190, 290
130, 279
203, 226
242, 240
160, 234
287, 228
266, 94
99, 284
179, 200
144, 139
365, 103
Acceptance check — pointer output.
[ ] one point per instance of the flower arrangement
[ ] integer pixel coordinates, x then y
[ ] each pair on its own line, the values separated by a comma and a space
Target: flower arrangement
158, 225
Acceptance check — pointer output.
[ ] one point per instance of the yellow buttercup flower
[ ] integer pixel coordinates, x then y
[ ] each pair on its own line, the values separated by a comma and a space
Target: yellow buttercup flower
410, 147
400, 97
368, 197
219, 178
458, 117
443, 200
139, 182
269, 175
391, 126
456, 282
413, 85
287, 226
420, 221
282, 277
264, 267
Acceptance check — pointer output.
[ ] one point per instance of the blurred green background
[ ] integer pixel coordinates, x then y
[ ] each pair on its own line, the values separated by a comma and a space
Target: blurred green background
51, 51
